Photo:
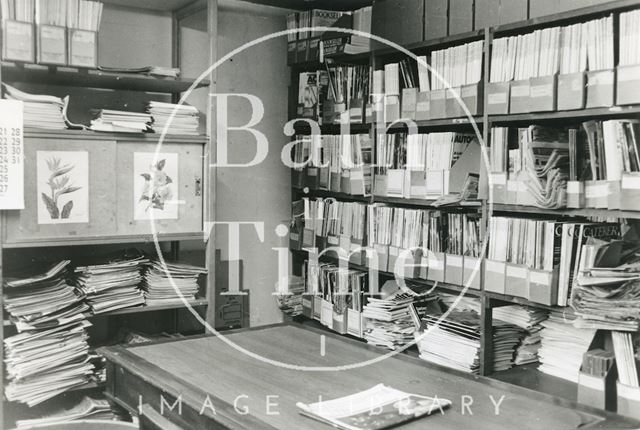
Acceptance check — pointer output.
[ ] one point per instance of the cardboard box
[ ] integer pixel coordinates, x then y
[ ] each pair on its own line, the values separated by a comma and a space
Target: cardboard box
409, 103
436, 19
630, 192
396, 179
628, 87
378, 259
453, 108
18, 42
596, 194
472, 98
460, 16
572, 91
356, 180
598, 392
495, 275
454, 269
436, 261
472, 272
307, 305
52, 45
423, 106
312, 178
499, 187
498, 98
628, 400
543, 287
517, 280
354, 323
418, 184
575, 195
326, 313
392, 108
600, 85
435, 183
438, 103
614, 197
520, 96
83, 48
543, 94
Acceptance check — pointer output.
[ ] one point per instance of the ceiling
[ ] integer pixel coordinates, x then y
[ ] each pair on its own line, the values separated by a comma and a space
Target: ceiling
170, 5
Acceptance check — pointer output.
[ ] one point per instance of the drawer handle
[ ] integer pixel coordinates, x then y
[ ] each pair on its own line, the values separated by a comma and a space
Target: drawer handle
198, 187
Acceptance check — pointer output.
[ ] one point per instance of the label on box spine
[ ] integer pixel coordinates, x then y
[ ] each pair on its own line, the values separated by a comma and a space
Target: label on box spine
538, 277
520, 90
597, 191
630, 182
517, 272
495, 266
538, 91
574, 187
454, 260
497, 98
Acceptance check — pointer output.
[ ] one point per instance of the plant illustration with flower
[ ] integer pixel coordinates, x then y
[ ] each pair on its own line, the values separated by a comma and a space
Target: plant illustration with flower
59, 184
157, 187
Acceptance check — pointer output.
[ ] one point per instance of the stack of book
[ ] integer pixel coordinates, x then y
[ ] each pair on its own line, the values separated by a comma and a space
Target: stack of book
457, 66
171, 282
40, 111
563, 345
528, 319
121, 121
43, 300
45, 363
184, 121
112, 285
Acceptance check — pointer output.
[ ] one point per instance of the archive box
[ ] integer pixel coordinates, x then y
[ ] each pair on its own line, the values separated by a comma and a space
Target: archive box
298, 178
339, 321
424, 267
380, 184
51, 45
596, 391
613, 198
307, 305
575, 195
18, 42
357, 180
345, 181
596, 194
471, 272
600, 86
498, 98
628, 87
472, 98
312, 178
453, 109
317, 307
326, 313
572, 91
409, 261
628, 400
335, 181
519, 99
378, 259
295, 237
499, 187
356, 110
423, 106
328, 112
543, 93
630, 192
495, 274
517, 280
396, 179
308, 238
80, 203
164, 188
543, 287
454, 269
417, 184
354, 322
436, 261
83, 48
409, 103
438, 104
392, 108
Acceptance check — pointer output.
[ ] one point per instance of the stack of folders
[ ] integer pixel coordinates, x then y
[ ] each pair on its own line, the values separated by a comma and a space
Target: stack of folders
121, 121
43, 300
40, 111
624, 350
528, 319
45, 363
563, 345
184, 121
171, 282
87, 408
629, 38
457, 66
84, 14
390, 321
112, 285
18, 10
608, 285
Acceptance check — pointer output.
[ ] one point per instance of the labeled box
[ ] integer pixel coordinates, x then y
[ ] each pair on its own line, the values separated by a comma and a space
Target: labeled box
354, 323
454, 269
630, 192
392, 108
628, 400
600, 85
409, 103
614, 197
472, 98
379, 258
295, 239
499, 187
312, 178
498, 97
326, 313
472, 272
572, 91
83, 48
438, 104
423, 106
308, 238
628, 87
543, 287
596, 194
543, 94
596, 391
520, 96
307, 305
52, 45
453, 109
517, 280
18, 42
436, 261
495, 275
356, 110
575, 195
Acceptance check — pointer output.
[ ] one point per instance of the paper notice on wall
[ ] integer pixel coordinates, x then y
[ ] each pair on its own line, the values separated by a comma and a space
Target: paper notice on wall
11, 155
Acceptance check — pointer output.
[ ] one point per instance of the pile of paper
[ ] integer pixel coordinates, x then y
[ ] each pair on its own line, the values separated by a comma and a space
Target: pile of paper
529, 319
44, 363
87, 408
40, 111
290, 300
563, 346
44, 299
159, 71
184, 121
170, 282
112, 285
121, 121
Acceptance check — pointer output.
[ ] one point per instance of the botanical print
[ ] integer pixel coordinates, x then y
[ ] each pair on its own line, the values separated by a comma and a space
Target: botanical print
155, 179
62, 187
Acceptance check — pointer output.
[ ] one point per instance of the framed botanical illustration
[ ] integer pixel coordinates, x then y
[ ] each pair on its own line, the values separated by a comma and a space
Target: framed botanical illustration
62, 187
155, 186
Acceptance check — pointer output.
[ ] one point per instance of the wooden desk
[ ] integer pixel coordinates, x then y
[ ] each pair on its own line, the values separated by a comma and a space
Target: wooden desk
195, 368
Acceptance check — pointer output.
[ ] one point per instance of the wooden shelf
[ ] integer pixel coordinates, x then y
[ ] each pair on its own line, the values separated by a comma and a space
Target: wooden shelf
103, 240
303, 128
333, 194
75, 77
528, 376
577, 115
585, 213
447, 123
98, 135
471, 204
433, 44
520, 301
142, 309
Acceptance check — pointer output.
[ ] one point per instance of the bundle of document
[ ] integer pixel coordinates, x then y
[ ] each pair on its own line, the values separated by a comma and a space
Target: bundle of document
170, 282
185, 120
121, 121
40, 111
87, 408
528, 319
112, 285
563, 345
44, 363
44, 299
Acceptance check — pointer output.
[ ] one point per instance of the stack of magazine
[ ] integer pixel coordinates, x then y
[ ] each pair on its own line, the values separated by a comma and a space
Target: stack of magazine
44, 299
529, 319
120, 121
112, 285
171, 282
40, 111
184, 121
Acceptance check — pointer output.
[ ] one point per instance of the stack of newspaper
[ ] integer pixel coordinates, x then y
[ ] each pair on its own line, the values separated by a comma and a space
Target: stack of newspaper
529, 319
184, 121
170, 282
43, 299
40, 111
112, 285
120, 121
44, 363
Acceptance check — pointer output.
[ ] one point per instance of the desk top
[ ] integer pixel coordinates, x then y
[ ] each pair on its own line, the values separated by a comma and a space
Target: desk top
201, 366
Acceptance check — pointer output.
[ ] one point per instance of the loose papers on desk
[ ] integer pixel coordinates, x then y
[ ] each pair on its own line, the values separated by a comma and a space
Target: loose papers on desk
86, 408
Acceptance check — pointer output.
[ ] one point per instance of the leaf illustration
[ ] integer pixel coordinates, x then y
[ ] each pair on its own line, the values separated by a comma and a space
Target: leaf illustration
62, 182
161, 164
62, 171
68, 190
51, 206
146, 176
66, 209
168, 180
